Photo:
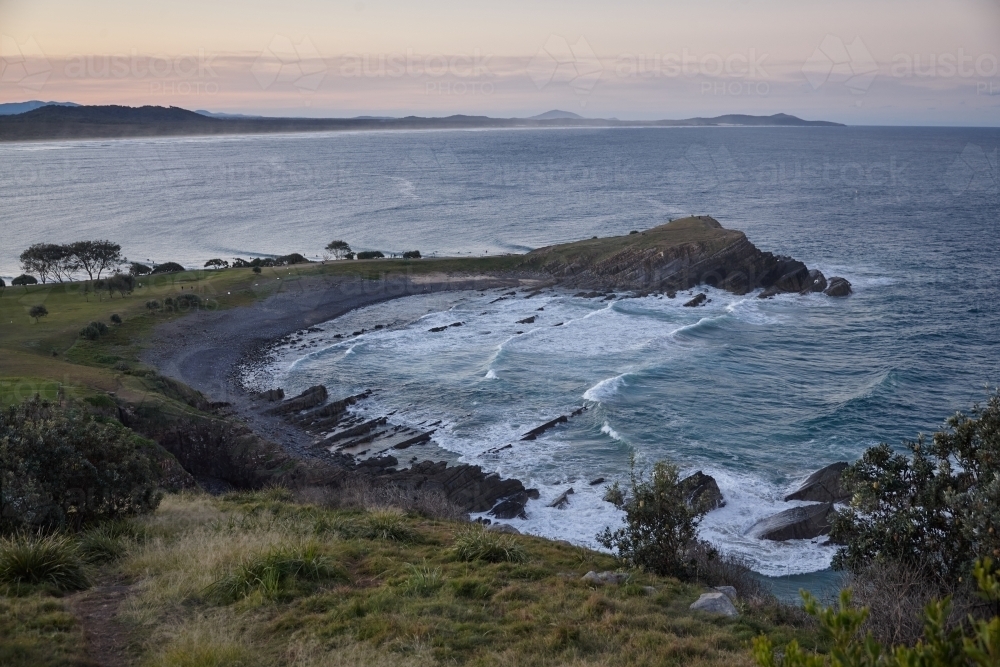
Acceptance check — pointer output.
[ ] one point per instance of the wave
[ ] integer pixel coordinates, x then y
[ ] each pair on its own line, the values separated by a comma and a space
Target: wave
605, 389
606, 428
490, 375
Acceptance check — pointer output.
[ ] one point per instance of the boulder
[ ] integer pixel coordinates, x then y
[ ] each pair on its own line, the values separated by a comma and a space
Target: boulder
798, 523
715, 603
838, 287
817, 281
698, 300
527, 320
728, 591
503, 528
823, 486
702, 492
511, 507
562, 500
795, 280
605, 578
310, 398
273, 395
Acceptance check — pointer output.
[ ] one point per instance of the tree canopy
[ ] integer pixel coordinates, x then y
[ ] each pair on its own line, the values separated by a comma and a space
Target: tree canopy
57, 262
338, 248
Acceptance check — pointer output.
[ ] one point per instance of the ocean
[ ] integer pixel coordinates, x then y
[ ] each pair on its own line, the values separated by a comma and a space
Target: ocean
757, 393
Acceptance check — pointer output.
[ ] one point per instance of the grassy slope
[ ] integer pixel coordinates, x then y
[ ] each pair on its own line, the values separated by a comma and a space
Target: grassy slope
409, 602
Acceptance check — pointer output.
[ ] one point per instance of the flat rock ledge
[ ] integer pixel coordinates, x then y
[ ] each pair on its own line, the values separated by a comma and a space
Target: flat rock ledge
715, 602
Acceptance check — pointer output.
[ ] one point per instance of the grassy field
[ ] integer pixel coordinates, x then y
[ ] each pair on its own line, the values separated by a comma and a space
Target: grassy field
208, 583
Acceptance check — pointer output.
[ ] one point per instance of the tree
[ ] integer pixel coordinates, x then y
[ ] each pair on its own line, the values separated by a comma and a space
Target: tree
168, 267
38, 312
97, 256
137, 269
3, 286
122, 283
62, 467
411, 254
660, 527
25, 280
216, 264
935, 510
370, 254
339, 249
41, 258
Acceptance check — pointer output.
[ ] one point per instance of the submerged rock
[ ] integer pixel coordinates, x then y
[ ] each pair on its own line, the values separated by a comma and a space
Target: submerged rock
715, 602
696, 301
797, 523
823, 486
562, 500
702, 492
838, 287
511, 507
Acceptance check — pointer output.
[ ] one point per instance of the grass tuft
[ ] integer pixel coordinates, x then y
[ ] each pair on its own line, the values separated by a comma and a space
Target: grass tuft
52, 560
423, 581
110, 541
475, 543
388, 525
272, 573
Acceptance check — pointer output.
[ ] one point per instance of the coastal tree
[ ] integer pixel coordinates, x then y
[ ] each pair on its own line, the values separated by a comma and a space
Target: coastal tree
38, 312
45, 259
216, 264
95, 257
137, 269
24, 279
339, 249
411, 254
3, 286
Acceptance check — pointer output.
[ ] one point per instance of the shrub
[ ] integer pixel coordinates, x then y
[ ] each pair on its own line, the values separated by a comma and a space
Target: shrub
41, 559
24, 279
122, 283
256, 269
37, 312
271, 573
411, 254
60, 466
216, 264
116, 318
153, 305
387, 525
137, 269
168, 267
187, 302
370, 254
94, 330
935, 510
476, 543
660, 527
294, 258
976, 644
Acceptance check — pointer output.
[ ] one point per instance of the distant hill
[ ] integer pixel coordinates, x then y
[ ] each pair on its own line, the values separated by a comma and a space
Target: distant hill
11, 108
109, 122
556, 114
218, 114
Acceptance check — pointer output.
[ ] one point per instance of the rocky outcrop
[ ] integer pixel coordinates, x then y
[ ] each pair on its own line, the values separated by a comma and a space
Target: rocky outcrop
823, 486
605, 578
702, 492
798, 523
715, 602
698, 300
310, 398
552, 423
838, 287
817, 281
679, 255
466, 486
563, 500
512, 507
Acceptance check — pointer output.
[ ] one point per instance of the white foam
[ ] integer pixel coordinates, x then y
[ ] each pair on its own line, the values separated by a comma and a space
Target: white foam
490, 375
606, 429
605, 389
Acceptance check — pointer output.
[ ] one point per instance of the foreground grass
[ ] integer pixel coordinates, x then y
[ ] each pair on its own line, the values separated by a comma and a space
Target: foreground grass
376, 588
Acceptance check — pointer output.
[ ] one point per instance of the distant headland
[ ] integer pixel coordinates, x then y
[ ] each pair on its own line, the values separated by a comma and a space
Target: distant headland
59, 121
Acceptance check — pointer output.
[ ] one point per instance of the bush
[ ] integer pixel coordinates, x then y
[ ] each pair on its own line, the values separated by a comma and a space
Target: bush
294, 258
137, 269
94, 330
37, 312
187, 302
256, 269
168, 267
60, 466
370, 254
272, 573
935, 510
339, 248
411, 254
41, 559
116, 318
216, 264
476, 543
24, 279
976, 644
660, 527
153, 305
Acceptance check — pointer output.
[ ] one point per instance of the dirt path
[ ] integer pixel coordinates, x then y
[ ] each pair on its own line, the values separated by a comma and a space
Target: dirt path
97, 611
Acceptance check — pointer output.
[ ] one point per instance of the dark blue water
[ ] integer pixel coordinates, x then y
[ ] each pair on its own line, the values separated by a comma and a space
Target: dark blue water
757, 393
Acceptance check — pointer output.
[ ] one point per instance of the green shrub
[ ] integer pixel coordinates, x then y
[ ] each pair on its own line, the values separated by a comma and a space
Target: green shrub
272, 573
61, 466
168, 267
370, 254
187, 302
42, 559
94, 330
109, 541
116, 318
152, 305
288, 260
137, 269
660, 527
24, 279
475, 543
37, 312
411, 254
256, 269
935, 510
977, 644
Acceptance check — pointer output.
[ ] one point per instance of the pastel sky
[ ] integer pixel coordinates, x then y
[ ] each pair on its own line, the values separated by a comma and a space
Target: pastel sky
914, 62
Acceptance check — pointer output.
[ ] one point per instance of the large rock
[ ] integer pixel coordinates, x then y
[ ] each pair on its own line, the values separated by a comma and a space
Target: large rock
823, 486
698, 300
795, 280
817, 281
715, 602
310, 398
605, 578
702, 492
512, 507
838, 287
798, 523
466, 486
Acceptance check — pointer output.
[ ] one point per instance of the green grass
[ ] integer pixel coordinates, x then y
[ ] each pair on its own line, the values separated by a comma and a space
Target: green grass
39, 631
475, 543
47, 560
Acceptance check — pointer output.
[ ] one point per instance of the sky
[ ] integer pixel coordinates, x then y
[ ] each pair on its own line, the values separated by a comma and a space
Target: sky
884, 62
